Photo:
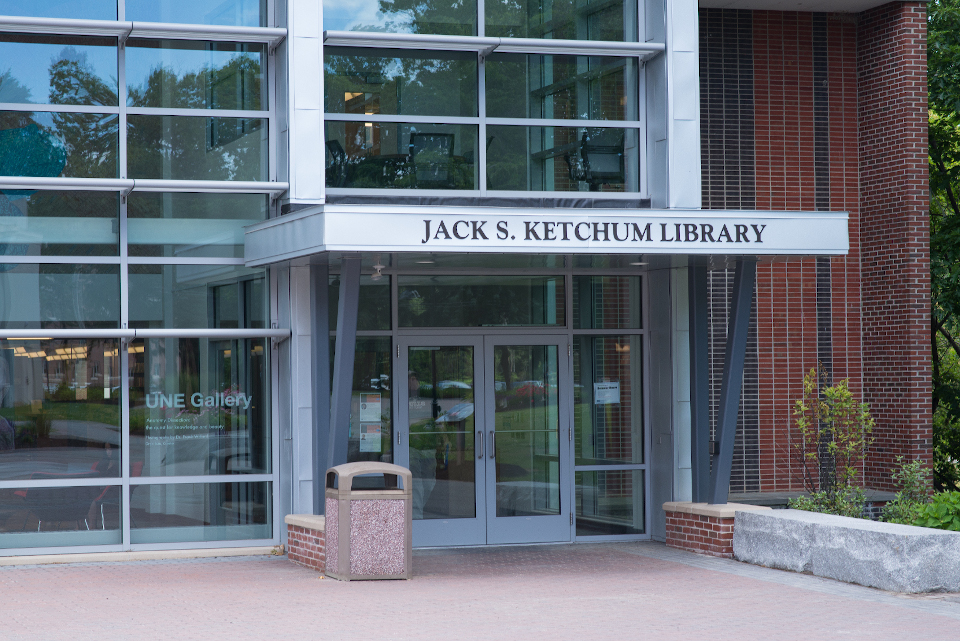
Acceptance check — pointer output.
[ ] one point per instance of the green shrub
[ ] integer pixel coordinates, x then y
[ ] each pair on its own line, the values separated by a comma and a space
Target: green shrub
842, 502
943, 512
914, 481
832, 436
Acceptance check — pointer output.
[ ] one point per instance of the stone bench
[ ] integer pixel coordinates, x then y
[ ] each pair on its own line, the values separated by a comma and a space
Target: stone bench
306, 540
899, 558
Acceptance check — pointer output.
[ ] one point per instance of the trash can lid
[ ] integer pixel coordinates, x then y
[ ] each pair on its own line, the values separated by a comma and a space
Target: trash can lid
348, 471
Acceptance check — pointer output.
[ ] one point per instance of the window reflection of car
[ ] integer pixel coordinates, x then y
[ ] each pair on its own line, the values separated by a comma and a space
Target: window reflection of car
457, 413
519, 384
383, 382
445, 385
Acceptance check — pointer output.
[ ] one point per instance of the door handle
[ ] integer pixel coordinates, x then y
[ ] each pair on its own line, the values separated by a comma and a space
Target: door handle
493, 446
479, 444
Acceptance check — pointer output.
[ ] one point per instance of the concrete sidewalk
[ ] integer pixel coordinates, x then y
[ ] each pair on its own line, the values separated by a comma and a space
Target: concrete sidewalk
598, 591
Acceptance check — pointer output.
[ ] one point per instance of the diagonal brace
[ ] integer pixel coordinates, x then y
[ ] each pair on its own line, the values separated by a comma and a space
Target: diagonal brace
346, 347
744, 282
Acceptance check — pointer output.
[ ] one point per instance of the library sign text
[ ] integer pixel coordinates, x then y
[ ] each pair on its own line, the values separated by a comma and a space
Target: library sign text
620, 232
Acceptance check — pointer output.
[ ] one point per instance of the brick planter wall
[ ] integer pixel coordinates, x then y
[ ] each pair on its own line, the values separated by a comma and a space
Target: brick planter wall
306, 540
703, 528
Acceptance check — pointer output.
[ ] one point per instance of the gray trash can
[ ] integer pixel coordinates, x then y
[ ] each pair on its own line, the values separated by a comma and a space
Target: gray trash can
368, 531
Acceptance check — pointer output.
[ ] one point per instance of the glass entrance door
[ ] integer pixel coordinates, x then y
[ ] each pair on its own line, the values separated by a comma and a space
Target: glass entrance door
486, 437
441, 420
527, 440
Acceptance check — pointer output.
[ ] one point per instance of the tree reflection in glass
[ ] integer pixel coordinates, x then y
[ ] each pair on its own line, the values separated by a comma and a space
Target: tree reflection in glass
562, 19
453, 17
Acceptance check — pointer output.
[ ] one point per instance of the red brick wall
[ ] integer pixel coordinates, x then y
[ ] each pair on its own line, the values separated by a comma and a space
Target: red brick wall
702, 534
891, 63
307, 547
865, 74
785, 170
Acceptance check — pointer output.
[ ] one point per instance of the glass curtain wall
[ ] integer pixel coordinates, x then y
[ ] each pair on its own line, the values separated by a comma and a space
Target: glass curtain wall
481, 121
165, 440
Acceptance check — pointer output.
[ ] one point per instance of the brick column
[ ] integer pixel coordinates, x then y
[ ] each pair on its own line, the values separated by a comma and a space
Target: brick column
306, 540
703, 528
894, 227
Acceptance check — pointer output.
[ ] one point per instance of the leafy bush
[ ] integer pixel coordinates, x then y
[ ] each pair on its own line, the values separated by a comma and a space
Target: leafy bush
833, 434
914, 481
943, 512
842, 502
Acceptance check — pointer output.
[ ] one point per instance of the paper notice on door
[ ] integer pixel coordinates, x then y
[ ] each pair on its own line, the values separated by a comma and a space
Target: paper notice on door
606, 393
370, 408
370, 437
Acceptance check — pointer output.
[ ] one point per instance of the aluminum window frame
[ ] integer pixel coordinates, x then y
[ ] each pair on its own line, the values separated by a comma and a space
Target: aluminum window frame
270, 36
567, 271
484, 46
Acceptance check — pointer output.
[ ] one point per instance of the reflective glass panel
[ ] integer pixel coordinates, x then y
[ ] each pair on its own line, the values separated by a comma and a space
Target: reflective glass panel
401, 16
606, 302
33, 517
200, 512
400, 82
527, 420
197, 148
215, 296
69, 145
45, 296
198, 406
440, 410
241, 13
371, 408
88, 9
483, 261
401, 155
374, 304
610, 502
188, 74
59, 409
614, 20
480, 301
183, 225
564, 87
59, 223
562, 159
59, 70
621, 261
607, 399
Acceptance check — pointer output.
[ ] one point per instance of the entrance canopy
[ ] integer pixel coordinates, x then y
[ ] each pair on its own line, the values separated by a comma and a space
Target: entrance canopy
408, 228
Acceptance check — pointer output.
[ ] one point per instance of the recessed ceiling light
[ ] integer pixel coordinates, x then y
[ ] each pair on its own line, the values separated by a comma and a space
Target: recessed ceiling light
639, 263
425, 262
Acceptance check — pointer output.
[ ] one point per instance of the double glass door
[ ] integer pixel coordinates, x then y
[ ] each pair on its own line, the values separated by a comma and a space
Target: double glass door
484, 429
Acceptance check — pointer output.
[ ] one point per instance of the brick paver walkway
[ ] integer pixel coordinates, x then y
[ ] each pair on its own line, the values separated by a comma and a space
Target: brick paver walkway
600, 591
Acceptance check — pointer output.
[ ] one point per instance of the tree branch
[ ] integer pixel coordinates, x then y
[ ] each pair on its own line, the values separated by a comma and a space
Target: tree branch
951, 340
943, 169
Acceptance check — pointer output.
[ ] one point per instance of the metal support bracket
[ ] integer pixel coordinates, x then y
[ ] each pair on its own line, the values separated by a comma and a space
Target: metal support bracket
343, 359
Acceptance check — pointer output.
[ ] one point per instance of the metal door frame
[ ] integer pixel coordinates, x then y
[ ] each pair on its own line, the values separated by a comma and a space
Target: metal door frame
533, 529
445, 532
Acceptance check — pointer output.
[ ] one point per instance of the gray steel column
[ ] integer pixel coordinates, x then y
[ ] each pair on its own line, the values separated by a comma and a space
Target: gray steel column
320, 339
744, 280
343, 360
699, 380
